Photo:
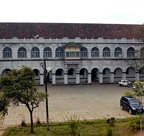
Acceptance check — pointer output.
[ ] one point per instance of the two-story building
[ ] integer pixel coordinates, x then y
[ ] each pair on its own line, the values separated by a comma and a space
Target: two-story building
74, 53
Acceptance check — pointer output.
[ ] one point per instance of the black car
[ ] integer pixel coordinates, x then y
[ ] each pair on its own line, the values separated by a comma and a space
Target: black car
131, 104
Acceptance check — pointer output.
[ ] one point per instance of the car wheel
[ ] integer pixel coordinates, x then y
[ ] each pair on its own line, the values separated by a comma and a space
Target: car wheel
122, 108
130, 111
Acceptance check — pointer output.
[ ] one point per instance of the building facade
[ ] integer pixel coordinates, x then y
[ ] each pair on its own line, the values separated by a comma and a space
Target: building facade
74, 53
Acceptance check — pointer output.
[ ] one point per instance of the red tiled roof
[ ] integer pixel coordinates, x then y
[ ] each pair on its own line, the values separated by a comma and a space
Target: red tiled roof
70, 30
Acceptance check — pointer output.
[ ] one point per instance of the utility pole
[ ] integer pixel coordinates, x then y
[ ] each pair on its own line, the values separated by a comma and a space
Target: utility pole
45, 84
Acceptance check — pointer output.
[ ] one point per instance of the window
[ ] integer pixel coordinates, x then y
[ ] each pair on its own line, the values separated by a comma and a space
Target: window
59, 52
84, 52
47, 53
106, 52
22, 52
35, 53
131, 52
95, 52
72, 54
7, 52
118, 52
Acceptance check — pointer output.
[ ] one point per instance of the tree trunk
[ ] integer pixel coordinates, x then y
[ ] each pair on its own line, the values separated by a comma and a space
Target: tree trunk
31, 119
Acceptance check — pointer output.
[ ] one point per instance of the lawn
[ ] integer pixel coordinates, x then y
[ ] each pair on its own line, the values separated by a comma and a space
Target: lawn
118, 127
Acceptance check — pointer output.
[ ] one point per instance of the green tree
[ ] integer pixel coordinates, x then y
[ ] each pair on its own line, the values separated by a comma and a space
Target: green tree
3, 104
19, 87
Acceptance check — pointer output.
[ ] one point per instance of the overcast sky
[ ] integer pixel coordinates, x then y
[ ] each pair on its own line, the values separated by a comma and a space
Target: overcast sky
73, 11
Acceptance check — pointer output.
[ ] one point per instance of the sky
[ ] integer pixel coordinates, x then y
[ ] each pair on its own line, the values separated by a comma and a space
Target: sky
73, 11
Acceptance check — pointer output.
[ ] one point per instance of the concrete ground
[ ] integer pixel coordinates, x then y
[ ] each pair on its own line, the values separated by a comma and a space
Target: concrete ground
85, 101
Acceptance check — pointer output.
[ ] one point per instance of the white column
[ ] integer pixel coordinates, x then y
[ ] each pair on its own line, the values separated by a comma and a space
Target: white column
112, 77
100, 77
77, 78
137, 75
89, 78
53, 79
123, 75
41, 79
65, 78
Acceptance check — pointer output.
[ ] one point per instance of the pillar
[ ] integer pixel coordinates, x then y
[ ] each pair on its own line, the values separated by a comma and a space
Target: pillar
101, 77
65, 78
77, 78
112, 77
89, 78
123, 75
53, 79
137, 75
41, 79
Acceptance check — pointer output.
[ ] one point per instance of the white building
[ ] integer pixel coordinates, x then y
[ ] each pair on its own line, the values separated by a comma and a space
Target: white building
74, 53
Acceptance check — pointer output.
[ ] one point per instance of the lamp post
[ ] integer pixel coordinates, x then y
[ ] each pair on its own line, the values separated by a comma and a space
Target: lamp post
45, 84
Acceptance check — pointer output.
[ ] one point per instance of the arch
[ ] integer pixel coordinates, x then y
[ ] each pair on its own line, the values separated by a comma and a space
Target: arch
130, 52
83, 52
106, 75
141, 74
142, 52
118, 52
95, 52
35, 52
106, 52
47, 52
95, 75
59, 76
59, 52
7, 52
37, 76
130, 73
117, 74
71, 71
71, 76
6, 71
83, 75
22, 53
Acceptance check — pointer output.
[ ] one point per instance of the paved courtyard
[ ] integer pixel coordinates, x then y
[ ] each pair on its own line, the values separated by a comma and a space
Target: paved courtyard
85, 101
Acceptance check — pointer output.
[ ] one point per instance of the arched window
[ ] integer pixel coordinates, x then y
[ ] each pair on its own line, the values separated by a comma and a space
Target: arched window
22, 53
95, 52
59, 52
118, 52
7, 52
47, 52
106, 52
131, 52
35, 53
84, 52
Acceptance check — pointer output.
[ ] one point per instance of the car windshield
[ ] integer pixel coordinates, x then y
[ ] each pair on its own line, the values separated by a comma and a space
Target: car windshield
134, 102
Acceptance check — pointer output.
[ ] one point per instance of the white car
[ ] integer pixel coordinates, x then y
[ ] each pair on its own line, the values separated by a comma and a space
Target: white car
124, 83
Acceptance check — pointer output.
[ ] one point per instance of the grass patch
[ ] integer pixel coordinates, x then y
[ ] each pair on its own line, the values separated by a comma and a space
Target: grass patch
121, 127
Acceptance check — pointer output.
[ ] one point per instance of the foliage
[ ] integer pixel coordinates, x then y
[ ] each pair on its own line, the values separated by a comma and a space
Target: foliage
19, 87
3, 104
74, 126
93, 128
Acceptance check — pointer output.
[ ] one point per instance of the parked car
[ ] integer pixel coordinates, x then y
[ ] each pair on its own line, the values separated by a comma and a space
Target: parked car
125, 83
131, 104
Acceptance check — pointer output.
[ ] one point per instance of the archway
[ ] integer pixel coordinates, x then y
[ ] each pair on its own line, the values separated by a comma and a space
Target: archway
106, 75
117, 74
6, 71
37, 76
130, 74
83, 76
141, 74
95, 75
59, 76
71, 76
